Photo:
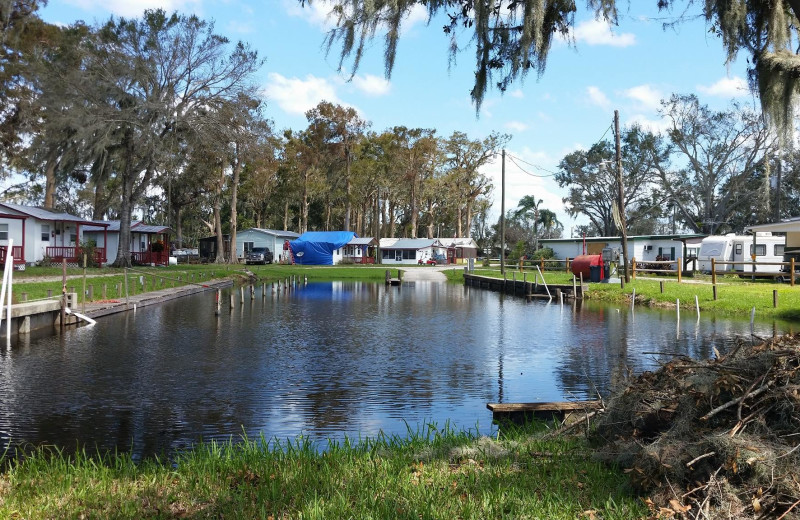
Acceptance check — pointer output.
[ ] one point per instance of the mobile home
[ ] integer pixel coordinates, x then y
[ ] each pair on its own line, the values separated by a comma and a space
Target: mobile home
740, 248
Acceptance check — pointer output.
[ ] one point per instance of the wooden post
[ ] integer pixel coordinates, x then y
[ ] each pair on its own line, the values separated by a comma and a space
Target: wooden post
388, 277
541, 262
232, 304
775, 298
241, 294
574, 290
63, 292
252, 292
126, 287
581, 273
49, 293
714, 291
714, 272
83, 296
678, 266
218, 302
661, 286
105, 291
633, 268
566, 265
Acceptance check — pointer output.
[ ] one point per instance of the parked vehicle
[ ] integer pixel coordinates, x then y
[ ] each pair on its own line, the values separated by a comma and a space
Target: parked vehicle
739, 248
259, 255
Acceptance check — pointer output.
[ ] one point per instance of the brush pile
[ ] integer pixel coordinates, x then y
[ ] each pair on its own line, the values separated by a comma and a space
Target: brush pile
713, 439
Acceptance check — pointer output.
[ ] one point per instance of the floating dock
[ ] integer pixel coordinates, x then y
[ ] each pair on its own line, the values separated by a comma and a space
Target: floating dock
519, 413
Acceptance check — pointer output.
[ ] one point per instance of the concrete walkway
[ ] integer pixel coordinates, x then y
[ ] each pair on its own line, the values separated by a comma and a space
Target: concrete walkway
426, 273
104, 308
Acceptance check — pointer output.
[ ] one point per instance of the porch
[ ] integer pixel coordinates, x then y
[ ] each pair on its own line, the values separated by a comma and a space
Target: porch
359, 259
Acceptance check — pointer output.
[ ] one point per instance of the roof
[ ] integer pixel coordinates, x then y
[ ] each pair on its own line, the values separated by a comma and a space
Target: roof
784, 226
633, 237
43, 214
273, 232
410, 243
365, 241
459, 242
136, 227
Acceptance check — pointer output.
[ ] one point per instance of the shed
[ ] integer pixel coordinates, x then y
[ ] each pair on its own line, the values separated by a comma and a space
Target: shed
207, 247
460, 249
317, 247
273, 239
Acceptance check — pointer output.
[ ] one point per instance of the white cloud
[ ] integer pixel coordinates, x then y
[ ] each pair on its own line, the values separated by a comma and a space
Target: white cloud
598, 32
372, 85
598, 97
648, 97
726, 87
517, 93
656, 126
135, 8
316, 13
296, 96
240, 27
516, 126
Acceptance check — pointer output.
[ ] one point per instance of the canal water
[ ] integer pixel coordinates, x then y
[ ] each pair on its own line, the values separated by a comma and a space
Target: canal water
329, 360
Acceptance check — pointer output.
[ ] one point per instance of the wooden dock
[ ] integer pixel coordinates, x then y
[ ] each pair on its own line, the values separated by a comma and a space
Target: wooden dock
519, 413
528, 288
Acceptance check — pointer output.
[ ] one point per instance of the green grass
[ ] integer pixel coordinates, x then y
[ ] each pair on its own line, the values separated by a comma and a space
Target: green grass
431, 473
735, 295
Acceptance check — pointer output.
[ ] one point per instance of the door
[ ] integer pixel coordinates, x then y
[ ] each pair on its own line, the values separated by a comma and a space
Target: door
398, 256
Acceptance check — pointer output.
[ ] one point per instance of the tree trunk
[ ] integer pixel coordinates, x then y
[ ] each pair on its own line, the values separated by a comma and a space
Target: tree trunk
458, 221
348, 206
286, 215
50, 180
179, 226
390, 216
220, 258
468, 220
304, 206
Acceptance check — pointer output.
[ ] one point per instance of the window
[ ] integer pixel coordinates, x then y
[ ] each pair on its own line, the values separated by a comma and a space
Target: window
3, 231
779, 248
761, 249
738, 249
248, 246
45, 233
73, 238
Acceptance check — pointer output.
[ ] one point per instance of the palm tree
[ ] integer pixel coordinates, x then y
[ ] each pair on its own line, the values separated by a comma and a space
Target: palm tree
550, 222
528, 209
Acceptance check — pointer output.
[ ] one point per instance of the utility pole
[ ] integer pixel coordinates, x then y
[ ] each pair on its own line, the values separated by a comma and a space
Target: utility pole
621, 199
778, 187
503, 216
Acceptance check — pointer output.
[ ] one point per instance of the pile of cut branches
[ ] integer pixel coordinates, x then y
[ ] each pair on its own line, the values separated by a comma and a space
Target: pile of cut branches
713, 439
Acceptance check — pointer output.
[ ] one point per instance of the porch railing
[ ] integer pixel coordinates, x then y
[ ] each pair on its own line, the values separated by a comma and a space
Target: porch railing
73, 254
150, 257
16, 253
360, 259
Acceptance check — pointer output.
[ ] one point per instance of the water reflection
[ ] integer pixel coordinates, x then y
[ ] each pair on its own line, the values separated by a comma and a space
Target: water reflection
327, 360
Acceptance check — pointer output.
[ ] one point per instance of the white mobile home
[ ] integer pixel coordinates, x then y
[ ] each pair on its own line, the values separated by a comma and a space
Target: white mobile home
357, 251
643, 248
149, 244
740, 248
411, 250
39, 234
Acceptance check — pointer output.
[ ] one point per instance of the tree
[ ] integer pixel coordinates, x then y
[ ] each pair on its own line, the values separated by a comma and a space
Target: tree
528, 213
550, 223
465, 158
340, 129
146, 80
513, 37
590, 177
722, 151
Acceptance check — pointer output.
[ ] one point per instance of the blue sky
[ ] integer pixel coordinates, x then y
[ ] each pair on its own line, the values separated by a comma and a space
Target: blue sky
630, 68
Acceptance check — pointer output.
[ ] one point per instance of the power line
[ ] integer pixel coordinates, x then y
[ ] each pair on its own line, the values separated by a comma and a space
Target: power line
551, 173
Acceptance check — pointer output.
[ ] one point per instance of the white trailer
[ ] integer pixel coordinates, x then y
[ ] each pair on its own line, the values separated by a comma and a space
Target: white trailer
740, 248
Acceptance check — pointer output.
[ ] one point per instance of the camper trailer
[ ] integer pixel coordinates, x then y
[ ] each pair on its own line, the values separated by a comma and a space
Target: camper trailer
739, 248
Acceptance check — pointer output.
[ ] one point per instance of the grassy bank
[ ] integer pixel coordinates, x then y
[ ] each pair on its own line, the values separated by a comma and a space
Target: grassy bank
35, 282
735, 295
430, 474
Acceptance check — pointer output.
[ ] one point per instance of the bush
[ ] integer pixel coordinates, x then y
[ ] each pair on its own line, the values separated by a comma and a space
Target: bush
88, 248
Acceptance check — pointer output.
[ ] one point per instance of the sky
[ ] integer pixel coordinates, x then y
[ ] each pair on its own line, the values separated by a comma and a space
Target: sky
630, 67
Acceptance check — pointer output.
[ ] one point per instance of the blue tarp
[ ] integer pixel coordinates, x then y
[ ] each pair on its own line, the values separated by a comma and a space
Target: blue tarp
317, 247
